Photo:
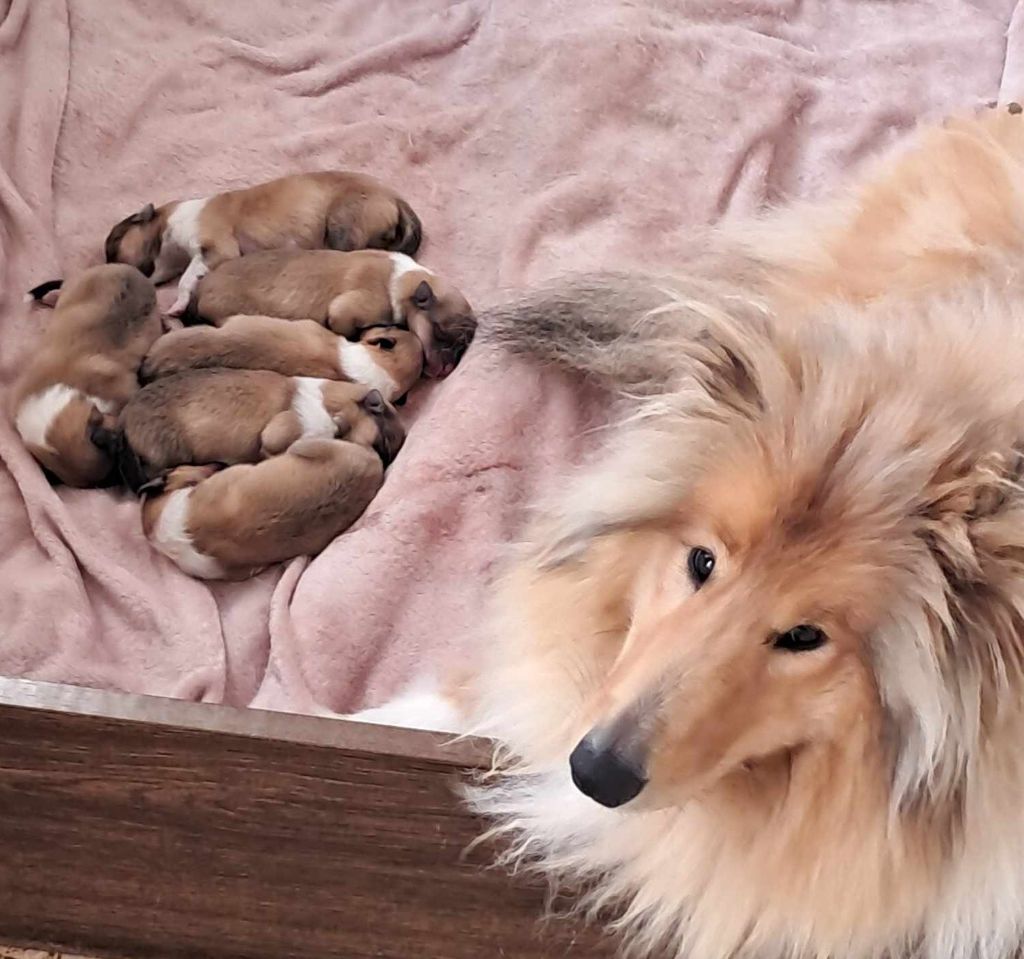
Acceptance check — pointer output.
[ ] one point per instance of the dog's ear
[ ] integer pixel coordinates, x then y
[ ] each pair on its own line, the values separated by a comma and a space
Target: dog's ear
968, 502
423, 296
104, 437
735, 363
103, 432
374, 403
145, 215
725, 372
934, 664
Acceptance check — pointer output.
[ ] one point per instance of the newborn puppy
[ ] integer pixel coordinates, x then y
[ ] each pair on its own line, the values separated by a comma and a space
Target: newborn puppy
230, 524
340, 211
347, 292
242, 416
84, 371
386, 359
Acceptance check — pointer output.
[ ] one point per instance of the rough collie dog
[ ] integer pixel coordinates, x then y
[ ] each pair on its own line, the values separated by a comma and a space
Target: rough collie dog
758, 675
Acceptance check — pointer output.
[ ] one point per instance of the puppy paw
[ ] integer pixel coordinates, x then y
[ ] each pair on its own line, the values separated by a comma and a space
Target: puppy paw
178, 307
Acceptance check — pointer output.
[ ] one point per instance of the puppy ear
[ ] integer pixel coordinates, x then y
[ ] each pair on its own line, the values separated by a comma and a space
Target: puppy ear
144, 215
374, 403
423, 296
103, 432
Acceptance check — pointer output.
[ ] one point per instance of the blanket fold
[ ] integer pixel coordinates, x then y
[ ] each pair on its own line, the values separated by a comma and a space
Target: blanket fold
533, 139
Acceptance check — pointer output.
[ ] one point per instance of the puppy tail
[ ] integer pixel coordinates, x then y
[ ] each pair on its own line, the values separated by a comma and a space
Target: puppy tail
410, 230
38, 293
605, 327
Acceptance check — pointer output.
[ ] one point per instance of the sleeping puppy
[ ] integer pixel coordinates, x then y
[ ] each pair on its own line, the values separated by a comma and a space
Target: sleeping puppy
346, 292
84, 371
386, 359
340, 211
242, 416
231, 523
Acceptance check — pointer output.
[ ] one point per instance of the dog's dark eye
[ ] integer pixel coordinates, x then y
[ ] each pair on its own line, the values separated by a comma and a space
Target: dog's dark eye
700, 564
385, 343
800, 639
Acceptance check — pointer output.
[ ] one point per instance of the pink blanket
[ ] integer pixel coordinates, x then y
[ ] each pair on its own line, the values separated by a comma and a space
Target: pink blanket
533, 137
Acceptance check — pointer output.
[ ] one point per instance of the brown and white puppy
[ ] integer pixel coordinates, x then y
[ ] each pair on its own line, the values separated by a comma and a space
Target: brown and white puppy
242, 416
85, 370
231, 523
337, 210
388, 359
346, 292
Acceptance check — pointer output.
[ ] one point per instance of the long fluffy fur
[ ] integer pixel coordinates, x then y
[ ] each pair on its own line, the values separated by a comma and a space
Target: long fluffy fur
850, 395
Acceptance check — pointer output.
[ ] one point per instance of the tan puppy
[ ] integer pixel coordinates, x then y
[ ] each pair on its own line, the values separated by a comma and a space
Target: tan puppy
347, 292
84, 371
231, 524
342, 211
242, 416
386, 359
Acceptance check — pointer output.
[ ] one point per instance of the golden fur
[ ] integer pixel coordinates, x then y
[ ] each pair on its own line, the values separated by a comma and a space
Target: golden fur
392, 358
91, 350
347, 293
242, 416
247, 517
330, 209
840, 420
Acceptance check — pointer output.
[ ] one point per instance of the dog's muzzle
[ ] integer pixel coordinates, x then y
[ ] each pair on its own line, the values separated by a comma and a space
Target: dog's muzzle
606, 773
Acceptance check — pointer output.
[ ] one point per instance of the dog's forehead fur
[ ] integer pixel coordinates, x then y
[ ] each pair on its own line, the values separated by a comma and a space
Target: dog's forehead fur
833, 421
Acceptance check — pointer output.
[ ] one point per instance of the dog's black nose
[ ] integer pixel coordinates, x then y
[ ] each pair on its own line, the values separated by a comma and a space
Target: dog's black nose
605, 775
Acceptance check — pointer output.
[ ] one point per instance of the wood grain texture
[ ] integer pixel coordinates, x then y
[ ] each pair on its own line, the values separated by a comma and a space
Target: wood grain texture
191, 835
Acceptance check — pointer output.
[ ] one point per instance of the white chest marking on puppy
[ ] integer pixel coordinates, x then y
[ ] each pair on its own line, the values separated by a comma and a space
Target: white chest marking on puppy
308, 404
180, 243
36, 414
182, 229
401, 264
357, 363
172, 538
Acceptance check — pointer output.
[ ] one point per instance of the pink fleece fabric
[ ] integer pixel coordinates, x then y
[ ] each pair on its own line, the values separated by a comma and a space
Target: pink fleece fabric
533, 138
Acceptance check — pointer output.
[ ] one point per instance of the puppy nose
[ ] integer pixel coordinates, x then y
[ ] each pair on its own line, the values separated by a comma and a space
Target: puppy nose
605, 774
